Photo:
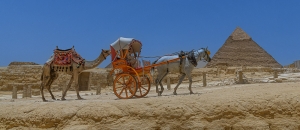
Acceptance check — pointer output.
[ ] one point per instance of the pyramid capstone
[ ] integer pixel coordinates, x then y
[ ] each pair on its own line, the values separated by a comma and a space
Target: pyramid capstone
239, 34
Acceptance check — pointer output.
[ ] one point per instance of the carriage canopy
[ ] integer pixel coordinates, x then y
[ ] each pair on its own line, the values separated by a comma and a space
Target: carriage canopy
124, 46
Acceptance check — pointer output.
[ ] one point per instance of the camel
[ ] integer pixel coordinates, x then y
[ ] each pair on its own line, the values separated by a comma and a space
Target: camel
184, 66
69, 62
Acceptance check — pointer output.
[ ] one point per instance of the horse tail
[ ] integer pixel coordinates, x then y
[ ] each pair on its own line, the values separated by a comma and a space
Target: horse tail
152, 68
152, 71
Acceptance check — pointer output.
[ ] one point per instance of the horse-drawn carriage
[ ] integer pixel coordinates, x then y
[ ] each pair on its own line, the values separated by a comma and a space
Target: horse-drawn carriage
132, 76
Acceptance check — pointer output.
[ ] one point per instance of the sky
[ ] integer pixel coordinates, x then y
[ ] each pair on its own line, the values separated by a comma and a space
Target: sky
30, 30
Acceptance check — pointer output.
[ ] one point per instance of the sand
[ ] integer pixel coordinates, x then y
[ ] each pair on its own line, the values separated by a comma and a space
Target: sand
238, 106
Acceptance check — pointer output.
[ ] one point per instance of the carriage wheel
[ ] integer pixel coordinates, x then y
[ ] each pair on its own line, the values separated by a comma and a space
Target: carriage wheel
124, 86
144, 88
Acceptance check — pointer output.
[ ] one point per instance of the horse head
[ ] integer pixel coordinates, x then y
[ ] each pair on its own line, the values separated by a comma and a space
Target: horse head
207, 52
204, 53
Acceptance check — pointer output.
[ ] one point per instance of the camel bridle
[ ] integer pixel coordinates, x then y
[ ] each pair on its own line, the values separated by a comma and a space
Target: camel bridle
102, 53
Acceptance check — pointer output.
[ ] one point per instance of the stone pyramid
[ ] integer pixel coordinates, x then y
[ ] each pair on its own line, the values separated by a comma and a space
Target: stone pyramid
240, 50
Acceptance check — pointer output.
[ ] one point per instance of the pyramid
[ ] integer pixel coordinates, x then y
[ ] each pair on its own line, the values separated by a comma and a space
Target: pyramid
240, 50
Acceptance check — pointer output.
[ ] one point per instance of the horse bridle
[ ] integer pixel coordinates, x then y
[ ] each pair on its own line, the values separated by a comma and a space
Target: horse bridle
207, 55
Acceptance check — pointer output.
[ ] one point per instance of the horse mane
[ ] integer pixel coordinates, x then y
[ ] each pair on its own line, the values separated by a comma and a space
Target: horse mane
172, 54
177, 53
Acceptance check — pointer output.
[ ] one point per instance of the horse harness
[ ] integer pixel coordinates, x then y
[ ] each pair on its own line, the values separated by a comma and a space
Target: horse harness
190, 56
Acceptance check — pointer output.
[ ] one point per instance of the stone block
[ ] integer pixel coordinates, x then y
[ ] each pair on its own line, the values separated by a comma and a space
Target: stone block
14, 93
36, 92
278, 80
272, 81
24, 92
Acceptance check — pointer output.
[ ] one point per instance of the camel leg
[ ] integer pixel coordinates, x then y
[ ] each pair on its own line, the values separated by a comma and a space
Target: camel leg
190, 83
158, 81
50, 83
42, 89
77, 86
180, 81
44, 81
67, 88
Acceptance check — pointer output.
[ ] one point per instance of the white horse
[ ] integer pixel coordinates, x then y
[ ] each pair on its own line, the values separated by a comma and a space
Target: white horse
183, 66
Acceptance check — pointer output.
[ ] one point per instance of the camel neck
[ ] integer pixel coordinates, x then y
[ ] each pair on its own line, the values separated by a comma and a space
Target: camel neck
94, 63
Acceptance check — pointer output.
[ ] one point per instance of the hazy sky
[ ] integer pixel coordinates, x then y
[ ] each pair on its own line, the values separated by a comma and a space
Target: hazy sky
30, 30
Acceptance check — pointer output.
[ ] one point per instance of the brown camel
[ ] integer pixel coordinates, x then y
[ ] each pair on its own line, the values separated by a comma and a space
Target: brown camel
70, 62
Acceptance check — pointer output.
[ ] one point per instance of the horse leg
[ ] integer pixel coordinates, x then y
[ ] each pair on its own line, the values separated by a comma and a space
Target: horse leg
67, 88
180, 80
161, 88
190, 83
161, 85
158, 81
156, 84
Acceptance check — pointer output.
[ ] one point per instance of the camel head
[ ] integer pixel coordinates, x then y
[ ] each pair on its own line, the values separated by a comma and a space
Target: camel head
105, 53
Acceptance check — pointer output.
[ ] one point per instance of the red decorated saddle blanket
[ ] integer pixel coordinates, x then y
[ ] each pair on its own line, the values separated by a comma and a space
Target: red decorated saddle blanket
65, 57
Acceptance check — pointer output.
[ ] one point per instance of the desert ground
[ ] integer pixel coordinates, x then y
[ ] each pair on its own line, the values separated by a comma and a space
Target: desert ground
260, 105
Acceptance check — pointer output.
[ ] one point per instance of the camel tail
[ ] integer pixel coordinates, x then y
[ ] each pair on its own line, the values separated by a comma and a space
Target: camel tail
42, 76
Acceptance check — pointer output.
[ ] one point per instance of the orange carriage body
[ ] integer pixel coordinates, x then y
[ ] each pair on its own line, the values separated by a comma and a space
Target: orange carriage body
132, 78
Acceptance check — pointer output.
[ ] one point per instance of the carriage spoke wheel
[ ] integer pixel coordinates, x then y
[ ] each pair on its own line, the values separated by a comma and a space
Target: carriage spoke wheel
124, 86
144, 88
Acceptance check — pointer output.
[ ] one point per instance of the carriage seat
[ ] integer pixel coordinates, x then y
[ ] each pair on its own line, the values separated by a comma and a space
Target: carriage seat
138, 68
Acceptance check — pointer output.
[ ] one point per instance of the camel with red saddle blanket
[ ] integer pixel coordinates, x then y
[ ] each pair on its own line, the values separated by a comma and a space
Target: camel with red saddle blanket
70, 62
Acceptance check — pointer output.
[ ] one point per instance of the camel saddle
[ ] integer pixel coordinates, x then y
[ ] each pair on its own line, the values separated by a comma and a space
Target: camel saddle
65, 57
